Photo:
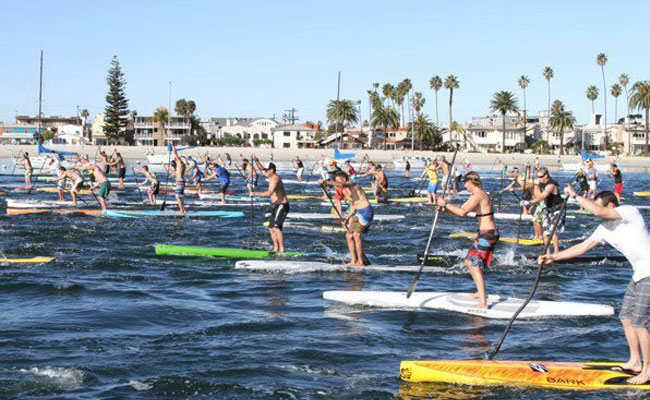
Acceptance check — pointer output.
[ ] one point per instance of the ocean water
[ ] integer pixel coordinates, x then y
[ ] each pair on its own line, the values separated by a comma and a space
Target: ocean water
108, 319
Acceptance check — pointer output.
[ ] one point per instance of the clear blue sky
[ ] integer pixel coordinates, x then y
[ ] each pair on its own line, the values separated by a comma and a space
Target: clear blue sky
258, 58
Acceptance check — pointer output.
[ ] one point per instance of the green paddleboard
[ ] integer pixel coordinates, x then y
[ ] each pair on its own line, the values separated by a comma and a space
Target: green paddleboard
172, 250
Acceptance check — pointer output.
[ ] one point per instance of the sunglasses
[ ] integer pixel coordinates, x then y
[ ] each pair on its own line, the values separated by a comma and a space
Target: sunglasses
541, 176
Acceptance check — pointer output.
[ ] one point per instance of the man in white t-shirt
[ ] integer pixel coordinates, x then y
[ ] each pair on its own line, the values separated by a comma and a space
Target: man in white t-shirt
624, 229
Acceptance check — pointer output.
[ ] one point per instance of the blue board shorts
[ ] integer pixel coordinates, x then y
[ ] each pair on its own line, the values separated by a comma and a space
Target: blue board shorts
180, 189
432, 187
361, 221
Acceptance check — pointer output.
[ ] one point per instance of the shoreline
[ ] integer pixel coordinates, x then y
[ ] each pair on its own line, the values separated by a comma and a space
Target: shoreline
634, 164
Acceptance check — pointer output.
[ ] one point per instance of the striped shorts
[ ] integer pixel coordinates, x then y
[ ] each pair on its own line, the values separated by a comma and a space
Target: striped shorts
636, 304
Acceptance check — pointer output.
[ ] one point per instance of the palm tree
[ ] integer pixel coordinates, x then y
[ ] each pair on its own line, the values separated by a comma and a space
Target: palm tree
372, 95
388, 90
451, 83
523, 84
417, 102
341, 111
623, 79
504, 102
436, 83
186, 108
385, 117
601, 59
640, 99
425, 131
406, 87
400, 93
560, 120
548, 75
616, 91
592, 95
160, 117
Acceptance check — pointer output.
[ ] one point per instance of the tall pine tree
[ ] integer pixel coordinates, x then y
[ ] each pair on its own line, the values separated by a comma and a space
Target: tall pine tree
117, 105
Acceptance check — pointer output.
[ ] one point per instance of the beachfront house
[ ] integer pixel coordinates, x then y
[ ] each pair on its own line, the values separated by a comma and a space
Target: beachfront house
150, 133
18, 133
294, 137
69, 134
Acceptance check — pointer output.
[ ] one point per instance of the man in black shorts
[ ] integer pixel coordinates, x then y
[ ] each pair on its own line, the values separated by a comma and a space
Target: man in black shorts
280, 203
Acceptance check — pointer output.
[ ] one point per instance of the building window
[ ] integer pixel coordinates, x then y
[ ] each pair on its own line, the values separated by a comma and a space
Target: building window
480, 134
287, 133
286, 145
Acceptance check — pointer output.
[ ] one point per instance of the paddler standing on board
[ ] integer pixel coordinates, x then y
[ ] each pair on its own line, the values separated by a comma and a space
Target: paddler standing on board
29, 170
118, 162
616, 173
280, 204
359, 218
196, 174
549, 209
223, 176
300, 167
154, 189
431, 171
480, 254
624, 228
100, 178
592, 179
251, 174
54, 165
177, 167
106, 161
444, 166
74, 176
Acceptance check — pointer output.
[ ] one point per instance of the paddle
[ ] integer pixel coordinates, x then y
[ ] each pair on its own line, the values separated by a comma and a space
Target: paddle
31, 188
235, 164
521, 211
364, 259
250, 194
169, 161
135, 179
433, 228
547, 244
16, 161
413, 192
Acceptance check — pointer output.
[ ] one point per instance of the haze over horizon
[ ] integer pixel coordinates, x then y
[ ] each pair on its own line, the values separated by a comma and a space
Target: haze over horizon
261, 58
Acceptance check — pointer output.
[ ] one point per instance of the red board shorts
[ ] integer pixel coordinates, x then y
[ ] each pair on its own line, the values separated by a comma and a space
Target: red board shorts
618, 188
339, 194
480, 255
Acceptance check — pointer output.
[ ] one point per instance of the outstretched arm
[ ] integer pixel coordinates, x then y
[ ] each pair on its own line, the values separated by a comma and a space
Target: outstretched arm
573, 251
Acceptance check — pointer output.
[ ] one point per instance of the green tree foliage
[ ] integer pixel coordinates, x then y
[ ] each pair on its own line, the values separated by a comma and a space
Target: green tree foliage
117, 105
561, 119
385, 117
340, 112
592, 94
640, 99
504, 102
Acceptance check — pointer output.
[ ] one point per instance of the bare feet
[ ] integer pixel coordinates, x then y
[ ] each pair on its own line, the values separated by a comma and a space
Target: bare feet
639, 379
481, 305
354, 263
634, 366
472, 296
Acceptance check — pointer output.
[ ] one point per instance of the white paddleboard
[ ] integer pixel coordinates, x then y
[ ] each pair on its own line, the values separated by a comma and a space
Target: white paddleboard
499, 307
299, 182
334, 216
311, 266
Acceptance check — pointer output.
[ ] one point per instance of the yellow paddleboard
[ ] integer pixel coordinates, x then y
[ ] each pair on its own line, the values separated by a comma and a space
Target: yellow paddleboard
556, 375
301, 197
55, 190
642, 194
526, 242
25, 260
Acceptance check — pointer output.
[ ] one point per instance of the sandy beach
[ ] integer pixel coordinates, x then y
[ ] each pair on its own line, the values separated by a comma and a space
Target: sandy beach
383, 157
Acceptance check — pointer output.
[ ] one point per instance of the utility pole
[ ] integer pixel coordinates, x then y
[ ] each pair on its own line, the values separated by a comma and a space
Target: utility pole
290, 116
336, 123
169, 112
40, 100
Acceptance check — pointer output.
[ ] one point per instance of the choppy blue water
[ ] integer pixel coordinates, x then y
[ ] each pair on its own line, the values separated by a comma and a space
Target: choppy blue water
108, 319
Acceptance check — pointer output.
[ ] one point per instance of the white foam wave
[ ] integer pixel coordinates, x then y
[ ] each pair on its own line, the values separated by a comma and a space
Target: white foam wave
67, 377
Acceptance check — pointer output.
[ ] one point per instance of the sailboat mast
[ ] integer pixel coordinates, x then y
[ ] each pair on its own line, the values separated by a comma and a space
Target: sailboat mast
40, 100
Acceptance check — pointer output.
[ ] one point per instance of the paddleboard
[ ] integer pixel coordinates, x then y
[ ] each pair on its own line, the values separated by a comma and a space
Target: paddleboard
25, 260
450, 260
548, 374
157, 213
312, 266
525, 242
642, 194
307, 226
168, 249
217, 196
311, 216
294, 181
499, 307
28, 211
55, 190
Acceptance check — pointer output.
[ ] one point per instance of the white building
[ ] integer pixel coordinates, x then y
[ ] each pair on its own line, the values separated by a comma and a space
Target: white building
69, 134
294, 137
97, 131
150, 133
249, 129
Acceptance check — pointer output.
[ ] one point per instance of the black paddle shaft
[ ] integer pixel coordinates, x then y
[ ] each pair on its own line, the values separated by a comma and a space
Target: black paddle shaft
433, 228
537, 278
